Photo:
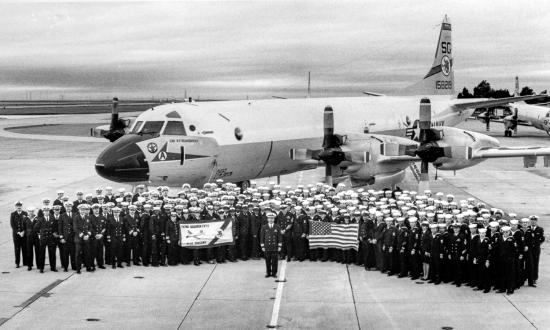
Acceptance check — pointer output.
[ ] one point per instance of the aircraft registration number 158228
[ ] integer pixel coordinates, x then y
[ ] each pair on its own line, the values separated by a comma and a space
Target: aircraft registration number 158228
443, 84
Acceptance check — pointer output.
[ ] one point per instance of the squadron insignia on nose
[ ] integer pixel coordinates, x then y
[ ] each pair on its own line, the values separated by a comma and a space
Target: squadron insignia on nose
152, 147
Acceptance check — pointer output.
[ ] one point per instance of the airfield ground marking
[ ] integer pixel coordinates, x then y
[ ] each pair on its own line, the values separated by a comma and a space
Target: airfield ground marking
278, 296
35, 297
532, 323
353, 297
197, 296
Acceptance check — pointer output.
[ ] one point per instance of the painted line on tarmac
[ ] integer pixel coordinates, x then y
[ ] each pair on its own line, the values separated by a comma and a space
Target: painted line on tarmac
35, 297
353, 297
511, 302
278, 296
197, 296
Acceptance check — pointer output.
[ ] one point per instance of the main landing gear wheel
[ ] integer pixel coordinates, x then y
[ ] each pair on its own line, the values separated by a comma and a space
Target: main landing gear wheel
244, 185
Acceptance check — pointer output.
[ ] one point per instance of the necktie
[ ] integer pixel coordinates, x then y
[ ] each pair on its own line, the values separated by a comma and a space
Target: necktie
270, 226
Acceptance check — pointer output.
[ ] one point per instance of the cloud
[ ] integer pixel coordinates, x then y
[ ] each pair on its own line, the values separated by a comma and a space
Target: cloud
234, 49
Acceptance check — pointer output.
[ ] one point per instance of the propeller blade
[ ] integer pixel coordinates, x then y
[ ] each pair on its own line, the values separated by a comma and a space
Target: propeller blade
114, 115
424, 119
329, 139
328, 174
424, 174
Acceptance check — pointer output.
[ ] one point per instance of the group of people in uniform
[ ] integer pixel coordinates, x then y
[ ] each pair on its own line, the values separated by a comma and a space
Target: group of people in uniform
425, 236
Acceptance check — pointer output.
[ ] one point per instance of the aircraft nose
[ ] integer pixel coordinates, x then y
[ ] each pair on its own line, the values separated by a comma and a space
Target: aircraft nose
123, 161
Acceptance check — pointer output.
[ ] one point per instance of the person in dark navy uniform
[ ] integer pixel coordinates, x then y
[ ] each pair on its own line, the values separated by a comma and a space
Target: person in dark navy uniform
66, 238
527, 262
82, 235
99, 231
116, 235
31, 236
300, 229
17, 222
44, 229
285, 220
538, 239
509, 252
271, 243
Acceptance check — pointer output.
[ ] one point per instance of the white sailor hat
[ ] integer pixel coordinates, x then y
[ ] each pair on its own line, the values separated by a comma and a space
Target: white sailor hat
472, 226
442, 225
412, 219
482, 230
525, 220
116, 209
433, 225
505, 228
30, 209
493, 224
121, 190
514, 222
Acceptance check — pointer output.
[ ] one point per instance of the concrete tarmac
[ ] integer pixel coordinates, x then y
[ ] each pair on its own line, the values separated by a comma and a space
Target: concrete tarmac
316, 295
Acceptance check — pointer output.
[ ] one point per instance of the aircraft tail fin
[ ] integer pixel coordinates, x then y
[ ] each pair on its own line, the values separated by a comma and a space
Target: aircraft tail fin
440, 79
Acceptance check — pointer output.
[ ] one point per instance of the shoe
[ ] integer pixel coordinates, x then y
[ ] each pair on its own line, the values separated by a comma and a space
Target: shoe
288, 259
120, 266
274, 275
531, 285
42, 271
458, 285
113, 266
147, 265
155, 265
137, 264
486, 291
437, 283
509, 292
101, 267
16, 266
127, 264
65, 270
401, 276
267, 275
29, 268
501, 291
78, 271
211, 262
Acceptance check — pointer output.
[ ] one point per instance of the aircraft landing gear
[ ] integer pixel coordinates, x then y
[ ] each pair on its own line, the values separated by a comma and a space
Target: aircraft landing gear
243, 185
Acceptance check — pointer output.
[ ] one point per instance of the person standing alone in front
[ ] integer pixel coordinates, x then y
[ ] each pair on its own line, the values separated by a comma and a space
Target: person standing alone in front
271, 242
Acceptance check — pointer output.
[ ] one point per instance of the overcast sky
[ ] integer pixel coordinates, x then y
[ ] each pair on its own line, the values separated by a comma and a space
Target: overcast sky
260, 49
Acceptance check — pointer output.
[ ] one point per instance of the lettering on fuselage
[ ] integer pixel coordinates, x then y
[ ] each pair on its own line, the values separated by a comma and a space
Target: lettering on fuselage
443, 84
222, 173
438, 123
184, 140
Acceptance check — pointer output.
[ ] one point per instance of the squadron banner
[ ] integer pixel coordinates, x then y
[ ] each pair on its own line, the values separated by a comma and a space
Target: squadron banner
206, 234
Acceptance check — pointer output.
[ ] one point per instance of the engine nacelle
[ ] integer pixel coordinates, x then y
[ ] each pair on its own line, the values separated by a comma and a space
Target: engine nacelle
461, 143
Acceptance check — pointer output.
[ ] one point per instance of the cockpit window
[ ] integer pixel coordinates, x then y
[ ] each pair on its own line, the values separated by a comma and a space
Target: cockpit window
151, 127
137, 126
174, 128
548, 114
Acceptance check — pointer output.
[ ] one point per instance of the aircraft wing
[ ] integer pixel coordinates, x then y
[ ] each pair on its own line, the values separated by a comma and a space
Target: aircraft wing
495, 102
502, 152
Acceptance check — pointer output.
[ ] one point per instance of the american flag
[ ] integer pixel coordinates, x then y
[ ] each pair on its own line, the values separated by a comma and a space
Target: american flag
333, 235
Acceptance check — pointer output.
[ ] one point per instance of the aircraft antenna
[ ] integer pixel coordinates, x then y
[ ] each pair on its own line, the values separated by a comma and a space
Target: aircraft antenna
308, 84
